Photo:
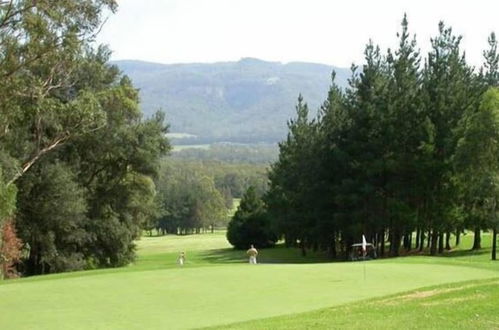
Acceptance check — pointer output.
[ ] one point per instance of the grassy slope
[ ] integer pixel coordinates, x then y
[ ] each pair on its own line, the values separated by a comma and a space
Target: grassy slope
217, 287
460, 305
470, 305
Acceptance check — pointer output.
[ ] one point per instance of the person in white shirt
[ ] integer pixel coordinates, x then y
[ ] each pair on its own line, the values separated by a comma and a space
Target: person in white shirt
252, 253
181, 259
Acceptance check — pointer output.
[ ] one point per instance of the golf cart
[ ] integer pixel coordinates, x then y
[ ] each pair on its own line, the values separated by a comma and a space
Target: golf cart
357, 254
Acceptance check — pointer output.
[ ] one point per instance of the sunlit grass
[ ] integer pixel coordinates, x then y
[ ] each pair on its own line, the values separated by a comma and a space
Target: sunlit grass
216, 286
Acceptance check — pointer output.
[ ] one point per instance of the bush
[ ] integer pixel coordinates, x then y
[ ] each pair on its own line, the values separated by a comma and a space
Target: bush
251, 224
10, 250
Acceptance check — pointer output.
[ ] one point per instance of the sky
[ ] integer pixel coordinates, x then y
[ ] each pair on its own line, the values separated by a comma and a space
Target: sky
321, 31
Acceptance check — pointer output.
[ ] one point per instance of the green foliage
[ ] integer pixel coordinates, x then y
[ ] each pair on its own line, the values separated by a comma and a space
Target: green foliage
52, 219
404, 148
72, 138
188, 199
477, 162
7, 198
42, 47
251, 225
230, 153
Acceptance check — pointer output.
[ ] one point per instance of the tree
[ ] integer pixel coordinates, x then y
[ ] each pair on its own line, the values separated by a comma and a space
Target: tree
73, 120
189, 199
450, 89
10, 250
292, 189
52, 218
7, 199
477, 162
250, 224
42, 45
491, 65
379, 159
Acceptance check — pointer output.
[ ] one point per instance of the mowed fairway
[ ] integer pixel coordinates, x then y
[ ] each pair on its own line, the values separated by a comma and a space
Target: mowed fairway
215, 287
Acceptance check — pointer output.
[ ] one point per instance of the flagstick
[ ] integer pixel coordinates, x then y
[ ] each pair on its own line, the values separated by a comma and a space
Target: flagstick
364, 266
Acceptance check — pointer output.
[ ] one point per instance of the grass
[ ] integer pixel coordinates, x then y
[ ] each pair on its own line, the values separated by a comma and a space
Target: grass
181, 147
218, 288
469, 305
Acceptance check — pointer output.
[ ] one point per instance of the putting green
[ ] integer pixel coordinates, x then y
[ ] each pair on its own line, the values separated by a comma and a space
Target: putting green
209, 296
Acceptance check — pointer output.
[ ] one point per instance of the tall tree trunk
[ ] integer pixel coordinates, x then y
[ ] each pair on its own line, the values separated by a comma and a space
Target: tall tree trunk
494, 243
458, 237
394, 242
433, 243
477, 241
441, 242
332, 247
447, 240
382, 243
302, 247
418, 232
422, 238
430, 238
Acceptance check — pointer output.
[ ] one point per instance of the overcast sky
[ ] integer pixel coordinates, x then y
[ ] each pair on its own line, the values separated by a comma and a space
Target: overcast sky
323, 31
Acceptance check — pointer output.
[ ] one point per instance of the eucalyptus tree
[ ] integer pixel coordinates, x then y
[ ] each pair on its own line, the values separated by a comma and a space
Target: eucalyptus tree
42, 43
189, 200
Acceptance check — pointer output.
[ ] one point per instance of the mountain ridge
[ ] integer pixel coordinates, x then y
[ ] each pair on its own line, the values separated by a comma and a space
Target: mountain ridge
250, 100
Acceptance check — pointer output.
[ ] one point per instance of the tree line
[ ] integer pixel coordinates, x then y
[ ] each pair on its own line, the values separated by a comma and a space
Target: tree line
407, 154
196, 196
231, 153
77, 160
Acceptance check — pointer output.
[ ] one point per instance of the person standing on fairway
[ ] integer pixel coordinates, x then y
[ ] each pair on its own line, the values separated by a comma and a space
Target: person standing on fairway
252, 252
181, 259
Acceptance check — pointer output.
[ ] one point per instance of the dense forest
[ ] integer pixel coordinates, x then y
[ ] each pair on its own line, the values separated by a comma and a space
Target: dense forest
407, 154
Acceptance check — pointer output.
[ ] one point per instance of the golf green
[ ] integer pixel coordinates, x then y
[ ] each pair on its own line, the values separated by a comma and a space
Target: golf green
209, 296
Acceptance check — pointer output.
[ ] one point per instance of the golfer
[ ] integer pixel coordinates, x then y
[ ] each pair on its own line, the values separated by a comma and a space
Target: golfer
252, 253
181, 259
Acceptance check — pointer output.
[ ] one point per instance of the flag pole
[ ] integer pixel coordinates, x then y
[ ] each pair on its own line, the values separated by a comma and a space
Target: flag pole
364, 250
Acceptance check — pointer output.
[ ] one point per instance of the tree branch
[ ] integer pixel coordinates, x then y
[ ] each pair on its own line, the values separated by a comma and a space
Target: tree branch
27, 165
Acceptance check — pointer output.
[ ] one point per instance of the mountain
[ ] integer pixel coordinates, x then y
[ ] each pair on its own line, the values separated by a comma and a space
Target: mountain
246, 101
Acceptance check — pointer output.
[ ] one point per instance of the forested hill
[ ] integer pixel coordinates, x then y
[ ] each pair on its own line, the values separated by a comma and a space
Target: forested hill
245, 101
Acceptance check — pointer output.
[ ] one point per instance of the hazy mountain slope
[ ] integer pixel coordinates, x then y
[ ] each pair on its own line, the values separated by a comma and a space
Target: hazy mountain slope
245, 101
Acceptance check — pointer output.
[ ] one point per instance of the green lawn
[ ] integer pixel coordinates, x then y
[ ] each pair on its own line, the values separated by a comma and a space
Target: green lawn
217, 287
469, 305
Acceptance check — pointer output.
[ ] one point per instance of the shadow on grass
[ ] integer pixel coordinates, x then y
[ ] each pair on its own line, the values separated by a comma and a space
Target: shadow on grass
277, 255
455, 253
464, 253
